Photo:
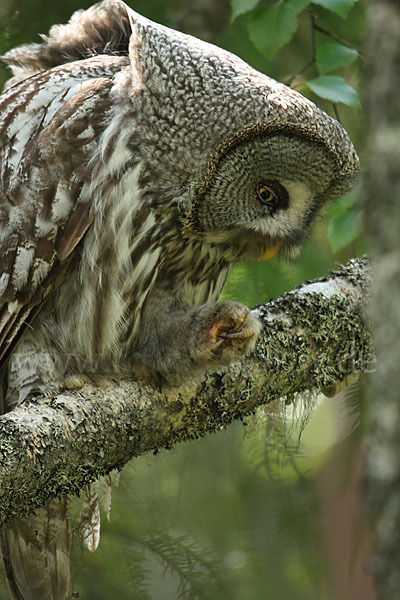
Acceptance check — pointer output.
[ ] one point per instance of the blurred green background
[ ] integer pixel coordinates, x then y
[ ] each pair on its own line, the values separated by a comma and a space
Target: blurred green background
231, 515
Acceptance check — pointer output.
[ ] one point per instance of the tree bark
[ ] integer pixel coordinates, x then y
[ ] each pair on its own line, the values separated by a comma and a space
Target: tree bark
312, 338
382, 193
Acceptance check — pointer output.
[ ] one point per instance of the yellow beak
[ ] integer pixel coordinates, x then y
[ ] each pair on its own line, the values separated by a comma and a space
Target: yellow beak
267, 253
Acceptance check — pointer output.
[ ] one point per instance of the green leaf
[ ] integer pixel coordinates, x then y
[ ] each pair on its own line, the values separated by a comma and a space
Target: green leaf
272, 27
240, 7
342, 205
299, 5
335, 89
344, 229
340, 7
334, 56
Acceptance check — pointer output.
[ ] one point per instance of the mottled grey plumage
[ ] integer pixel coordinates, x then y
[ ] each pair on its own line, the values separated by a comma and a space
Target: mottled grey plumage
137, 164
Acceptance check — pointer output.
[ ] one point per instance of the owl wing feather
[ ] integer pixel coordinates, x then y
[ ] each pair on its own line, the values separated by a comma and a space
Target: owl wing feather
49, 126
36, 554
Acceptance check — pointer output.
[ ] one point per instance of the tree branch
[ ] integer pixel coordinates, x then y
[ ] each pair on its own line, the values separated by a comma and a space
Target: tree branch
312, 338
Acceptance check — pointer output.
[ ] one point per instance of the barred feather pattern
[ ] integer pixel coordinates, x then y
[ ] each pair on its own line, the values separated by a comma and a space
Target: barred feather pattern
71, 169
48, 126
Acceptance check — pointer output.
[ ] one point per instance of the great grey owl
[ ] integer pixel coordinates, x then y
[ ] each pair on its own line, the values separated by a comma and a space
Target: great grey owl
137, 163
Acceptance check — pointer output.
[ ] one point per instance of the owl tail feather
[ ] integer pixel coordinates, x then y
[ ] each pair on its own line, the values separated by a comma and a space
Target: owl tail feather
36, 554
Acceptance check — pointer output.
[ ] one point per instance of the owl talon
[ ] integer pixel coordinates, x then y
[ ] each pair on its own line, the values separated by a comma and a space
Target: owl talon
233, 331
239, 335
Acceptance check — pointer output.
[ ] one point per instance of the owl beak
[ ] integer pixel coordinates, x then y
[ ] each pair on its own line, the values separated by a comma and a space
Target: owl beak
270, 251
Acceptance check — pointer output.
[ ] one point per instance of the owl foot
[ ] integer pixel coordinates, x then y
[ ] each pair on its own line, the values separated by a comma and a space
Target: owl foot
193, 341
231, 331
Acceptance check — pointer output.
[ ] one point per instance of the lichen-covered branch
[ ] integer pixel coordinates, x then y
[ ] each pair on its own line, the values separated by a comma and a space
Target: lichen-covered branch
312, 338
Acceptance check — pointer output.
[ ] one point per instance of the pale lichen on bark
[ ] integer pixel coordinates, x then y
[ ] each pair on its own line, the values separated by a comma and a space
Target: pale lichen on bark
312, 338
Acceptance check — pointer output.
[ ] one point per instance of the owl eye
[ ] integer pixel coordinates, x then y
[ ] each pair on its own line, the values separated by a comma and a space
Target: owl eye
273, 196
265, 194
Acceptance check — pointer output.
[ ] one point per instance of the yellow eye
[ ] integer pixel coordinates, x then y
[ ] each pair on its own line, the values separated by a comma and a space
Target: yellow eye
265, 194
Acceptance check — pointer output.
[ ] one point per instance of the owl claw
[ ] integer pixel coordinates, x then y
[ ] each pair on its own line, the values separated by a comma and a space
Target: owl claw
233, 332
241, 335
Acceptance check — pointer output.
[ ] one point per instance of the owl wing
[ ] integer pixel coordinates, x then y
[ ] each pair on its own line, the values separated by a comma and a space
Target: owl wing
49, 128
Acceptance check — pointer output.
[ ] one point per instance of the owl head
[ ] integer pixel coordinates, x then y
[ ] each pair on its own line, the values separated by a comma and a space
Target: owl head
263, 189
251, 160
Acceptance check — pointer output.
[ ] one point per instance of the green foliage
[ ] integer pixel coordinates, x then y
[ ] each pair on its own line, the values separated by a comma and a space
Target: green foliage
346, 224
340, 7
198, 573
333, 56
271, 27
240, 7
335, 89
344, 229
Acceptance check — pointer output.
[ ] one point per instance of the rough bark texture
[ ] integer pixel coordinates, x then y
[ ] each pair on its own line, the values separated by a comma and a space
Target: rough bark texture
382, 192
312, 338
